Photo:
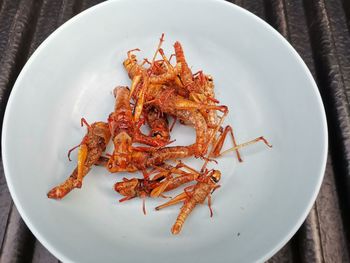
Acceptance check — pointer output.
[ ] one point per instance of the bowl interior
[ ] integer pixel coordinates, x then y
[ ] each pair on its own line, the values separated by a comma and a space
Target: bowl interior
265, 84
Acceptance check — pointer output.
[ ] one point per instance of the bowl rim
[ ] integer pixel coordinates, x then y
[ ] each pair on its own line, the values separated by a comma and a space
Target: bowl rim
95, 8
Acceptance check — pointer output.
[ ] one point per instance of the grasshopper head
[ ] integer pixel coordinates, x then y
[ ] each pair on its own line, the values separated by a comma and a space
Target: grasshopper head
127, 187
215, 176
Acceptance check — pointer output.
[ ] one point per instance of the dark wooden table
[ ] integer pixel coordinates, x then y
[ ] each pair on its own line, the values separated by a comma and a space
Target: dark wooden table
318, 30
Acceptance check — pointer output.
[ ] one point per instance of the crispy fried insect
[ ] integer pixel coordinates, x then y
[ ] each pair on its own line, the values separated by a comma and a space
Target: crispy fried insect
142, 158
124, 131
158, 123
159, 72
186, 75
131, 188
162, 182
193, 195
206, 95
131, 65
171, 73
172, 182
126, 157
91, 148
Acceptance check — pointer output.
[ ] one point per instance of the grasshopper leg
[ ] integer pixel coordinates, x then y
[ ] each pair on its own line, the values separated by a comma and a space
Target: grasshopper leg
177, 199
82, 155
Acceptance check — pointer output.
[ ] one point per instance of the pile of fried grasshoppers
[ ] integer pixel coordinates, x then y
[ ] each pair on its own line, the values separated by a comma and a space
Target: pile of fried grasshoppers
158, 90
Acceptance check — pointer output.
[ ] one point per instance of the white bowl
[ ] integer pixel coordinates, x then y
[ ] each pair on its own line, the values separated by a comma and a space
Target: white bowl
269, 91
